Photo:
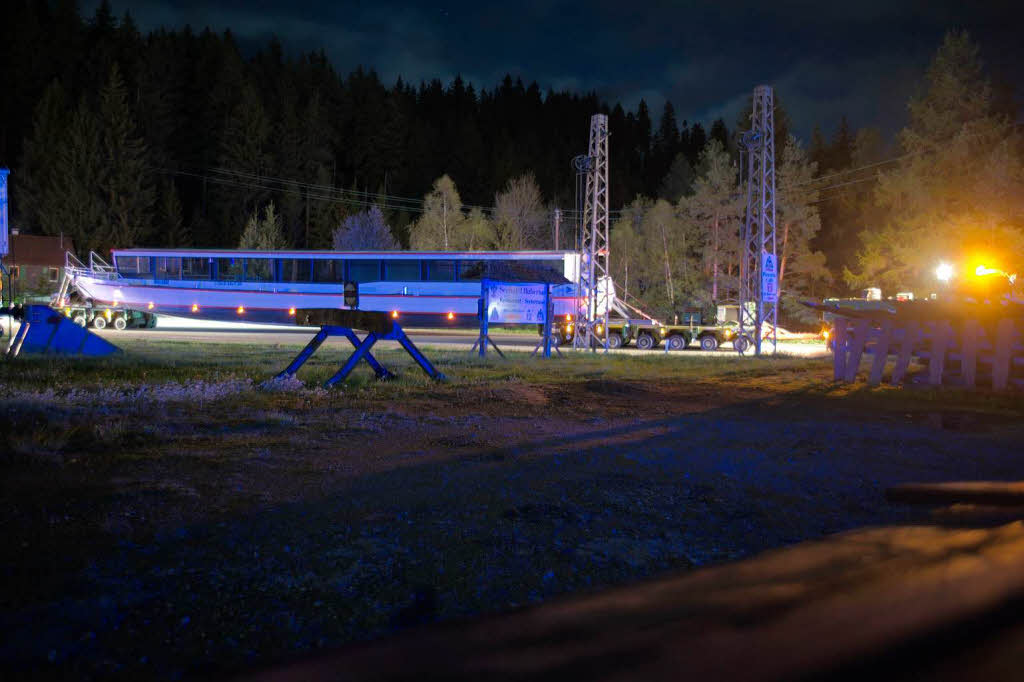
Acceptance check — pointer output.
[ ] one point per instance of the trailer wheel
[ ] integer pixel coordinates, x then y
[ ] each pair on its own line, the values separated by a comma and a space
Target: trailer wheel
645, 341
708, 342
741, 344
79, 319
120, 323
99, 322
615, 340
677, 342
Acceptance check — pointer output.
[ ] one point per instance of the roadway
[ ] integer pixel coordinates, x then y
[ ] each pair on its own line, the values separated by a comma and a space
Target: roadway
186, 329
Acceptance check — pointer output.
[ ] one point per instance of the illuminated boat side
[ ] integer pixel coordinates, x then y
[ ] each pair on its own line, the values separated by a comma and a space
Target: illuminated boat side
437, 288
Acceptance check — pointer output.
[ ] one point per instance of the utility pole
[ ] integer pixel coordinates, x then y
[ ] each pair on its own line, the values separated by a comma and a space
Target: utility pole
558, 223
595, 282
759, 295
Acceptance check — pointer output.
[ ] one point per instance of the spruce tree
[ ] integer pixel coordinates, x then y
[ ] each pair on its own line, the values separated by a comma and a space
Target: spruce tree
40, 171
125, 185
74, 204
958, 194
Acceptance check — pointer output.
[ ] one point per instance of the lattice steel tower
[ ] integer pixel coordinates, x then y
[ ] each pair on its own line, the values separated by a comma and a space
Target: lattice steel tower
594, 274
759, 306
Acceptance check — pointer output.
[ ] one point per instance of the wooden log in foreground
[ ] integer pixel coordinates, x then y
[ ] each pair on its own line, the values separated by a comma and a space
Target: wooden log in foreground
988, 493
867, 603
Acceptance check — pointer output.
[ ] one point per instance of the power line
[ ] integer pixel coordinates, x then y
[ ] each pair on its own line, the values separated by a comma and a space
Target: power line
897, 158
235, 178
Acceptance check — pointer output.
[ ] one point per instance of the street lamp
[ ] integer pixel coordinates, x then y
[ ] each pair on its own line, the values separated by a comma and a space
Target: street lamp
944, 272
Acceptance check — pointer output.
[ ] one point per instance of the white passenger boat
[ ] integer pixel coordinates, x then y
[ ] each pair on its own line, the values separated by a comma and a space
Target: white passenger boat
421, 288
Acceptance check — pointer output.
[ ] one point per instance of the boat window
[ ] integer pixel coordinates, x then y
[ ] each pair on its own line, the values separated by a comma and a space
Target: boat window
229, 269
440, 270
402, 270
364, 270
168, 267
472, 270
294, 270
195, 268
133, 266
328, 270
258, 270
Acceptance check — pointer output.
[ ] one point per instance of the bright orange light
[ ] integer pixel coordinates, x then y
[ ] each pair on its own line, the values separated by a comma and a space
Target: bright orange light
291, 311
825, 334
568, 318
394, 314
149, 306
451, 316
195, 307
241, 310
982, 270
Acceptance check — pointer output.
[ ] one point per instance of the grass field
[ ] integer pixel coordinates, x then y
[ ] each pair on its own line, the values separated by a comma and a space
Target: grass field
172, 513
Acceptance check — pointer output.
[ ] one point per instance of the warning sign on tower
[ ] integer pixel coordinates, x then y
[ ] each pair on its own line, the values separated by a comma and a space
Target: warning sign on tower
769, 278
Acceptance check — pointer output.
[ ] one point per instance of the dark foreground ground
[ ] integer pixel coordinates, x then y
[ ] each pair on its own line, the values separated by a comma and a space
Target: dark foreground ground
166, 516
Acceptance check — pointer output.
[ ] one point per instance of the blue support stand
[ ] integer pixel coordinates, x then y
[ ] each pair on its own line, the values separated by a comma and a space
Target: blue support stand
362, 352
45, 331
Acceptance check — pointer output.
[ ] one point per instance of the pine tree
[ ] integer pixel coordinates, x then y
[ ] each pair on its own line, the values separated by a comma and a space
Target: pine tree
39, 174
125, 185
174, 233
959, 194
679, 180
715, 210
797, 224
263, 233
244, 161
74, 206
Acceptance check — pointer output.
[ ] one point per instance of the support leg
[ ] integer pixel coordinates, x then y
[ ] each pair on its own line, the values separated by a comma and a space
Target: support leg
301, 358
419, 357
495, 346
361, 351
381, 371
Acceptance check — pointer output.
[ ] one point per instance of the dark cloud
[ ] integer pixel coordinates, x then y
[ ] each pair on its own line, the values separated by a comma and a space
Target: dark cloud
860, 59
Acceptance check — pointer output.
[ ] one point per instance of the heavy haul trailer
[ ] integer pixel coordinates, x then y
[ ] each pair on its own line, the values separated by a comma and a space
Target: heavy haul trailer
101, 317
648, 334
645, 334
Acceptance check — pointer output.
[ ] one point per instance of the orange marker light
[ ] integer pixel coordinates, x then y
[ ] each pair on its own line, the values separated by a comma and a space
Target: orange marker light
451, 316
394, 314
195, 307
241, 310
291, 311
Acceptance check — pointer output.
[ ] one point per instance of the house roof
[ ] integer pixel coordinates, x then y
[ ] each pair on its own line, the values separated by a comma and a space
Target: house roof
32, 249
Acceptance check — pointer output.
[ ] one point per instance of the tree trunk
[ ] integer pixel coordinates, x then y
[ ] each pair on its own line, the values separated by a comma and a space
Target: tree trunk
668, 268
444, 220
785, 253
714, 260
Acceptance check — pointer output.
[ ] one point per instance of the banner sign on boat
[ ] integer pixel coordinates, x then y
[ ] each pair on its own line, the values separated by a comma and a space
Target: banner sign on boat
769, 278
514, 302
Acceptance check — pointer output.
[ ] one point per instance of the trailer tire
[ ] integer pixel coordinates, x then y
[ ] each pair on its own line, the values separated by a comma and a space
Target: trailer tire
741, 344
615, 340
120, 323
677, 342
645, 341
79, 319
708, 342
99, 322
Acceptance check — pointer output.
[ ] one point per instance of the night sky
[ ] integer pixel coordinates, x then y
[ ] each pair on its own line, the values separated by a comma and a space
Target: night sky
862, 59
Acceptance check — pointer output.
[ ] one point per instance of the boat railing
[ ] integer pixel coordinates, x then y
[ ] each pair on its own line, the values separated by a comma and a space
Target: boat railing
100, 266
97, 267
